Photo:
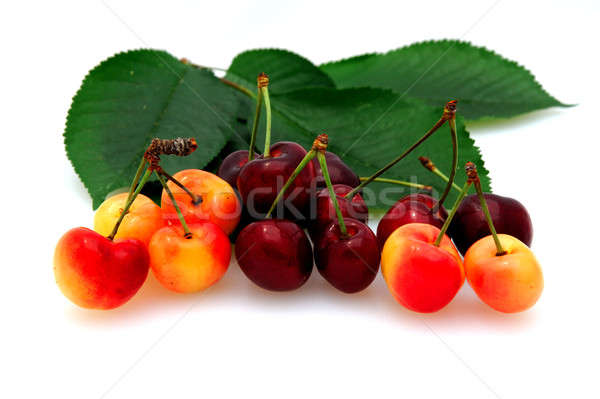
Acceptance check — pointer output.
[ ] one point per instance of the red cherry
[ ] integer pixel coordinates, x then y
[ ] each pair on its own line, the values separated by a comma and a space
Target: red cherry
339, 172
509, 217
231, 166
97, 273
325, 212
275, 254
413, 208
261, 179
348, 263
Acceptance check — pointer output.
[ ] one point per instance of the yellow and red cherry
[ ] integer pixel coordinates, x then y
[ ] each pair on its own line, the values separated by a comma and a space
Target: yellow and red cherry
275, 254
339, 172
261, 179
348, 261
189, 263
231, 166
97, 273
508, 215
511, 282
413, 208
421, 276
142, 220
216, 200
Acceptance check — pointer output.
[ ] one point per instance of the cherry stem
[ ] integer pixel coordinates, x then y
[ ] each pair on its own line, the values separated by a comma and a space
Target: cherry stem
187, 232
400, 182
332, 194
429, 165
136, 179
263, 85
499, 249
259, 101
461, 196
307, 158
196, 199
129, 202
448, 111
452, 124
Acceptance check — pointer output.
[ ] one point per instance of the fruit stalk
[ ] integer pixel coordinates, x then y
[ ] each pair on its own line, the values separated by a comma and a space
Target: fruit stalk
499, 249
196, 199
332, 195
186, 229
429, 165
259, 101
400, 183
136, 179
449, 110
263, 85
129, 202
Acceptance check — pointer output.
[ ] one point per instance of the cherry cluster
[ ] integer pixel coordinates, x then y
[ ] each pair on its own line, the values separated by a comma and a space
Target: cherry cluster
289, 209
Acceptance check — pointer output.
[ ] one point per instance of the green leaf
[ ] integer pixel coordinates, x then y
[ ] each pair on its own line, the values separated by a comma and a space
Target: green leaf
132, 97
368, 128
287, 71
484, 83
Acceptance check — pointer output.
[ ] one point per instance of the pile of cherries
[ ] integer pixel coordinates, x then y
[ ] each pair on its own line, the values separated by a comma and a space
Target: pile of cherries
289, 209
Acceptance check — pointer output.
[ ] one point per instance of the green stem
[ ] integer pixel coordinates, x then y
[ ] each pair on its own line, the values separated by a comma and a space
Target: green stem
188, 233
259, 101
399, 182
265, 93
307, 158
238, 87
499, 249
332, 194
452, 124
381, 171
129, 202
444, 228
137, 177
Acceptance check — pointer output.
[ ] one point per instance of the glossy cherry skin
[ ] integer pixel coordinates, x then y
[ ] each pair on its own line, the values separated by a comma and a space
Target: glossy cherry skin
96, 273
508, 283
325, 211
422, 277
509, 217
339, 172
350, 263
261, 179
275, 254
191, 264
231, 166
413, 208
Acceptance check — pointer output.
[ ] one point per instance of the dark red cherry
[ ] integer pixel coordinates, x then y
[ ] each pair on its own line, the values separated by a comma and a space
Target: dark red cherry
509, 217
339, 172
325, 211
349, 263
275, 254
261, 179
231, 166
413, 208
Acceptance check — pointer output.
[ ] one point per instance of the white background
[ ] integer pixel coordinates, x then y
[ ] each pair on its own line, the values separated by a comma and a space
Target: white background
236, 340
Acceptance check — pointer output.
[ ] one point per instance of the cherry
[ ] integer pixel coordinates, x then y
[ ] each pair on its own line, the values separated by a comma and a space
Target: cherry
354, 208
508, 215
339, 172
97, 273
203, 197
141, 221
275, 254
189, 262
231, 166
261, 179
423, 273
413, 208
348, 262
